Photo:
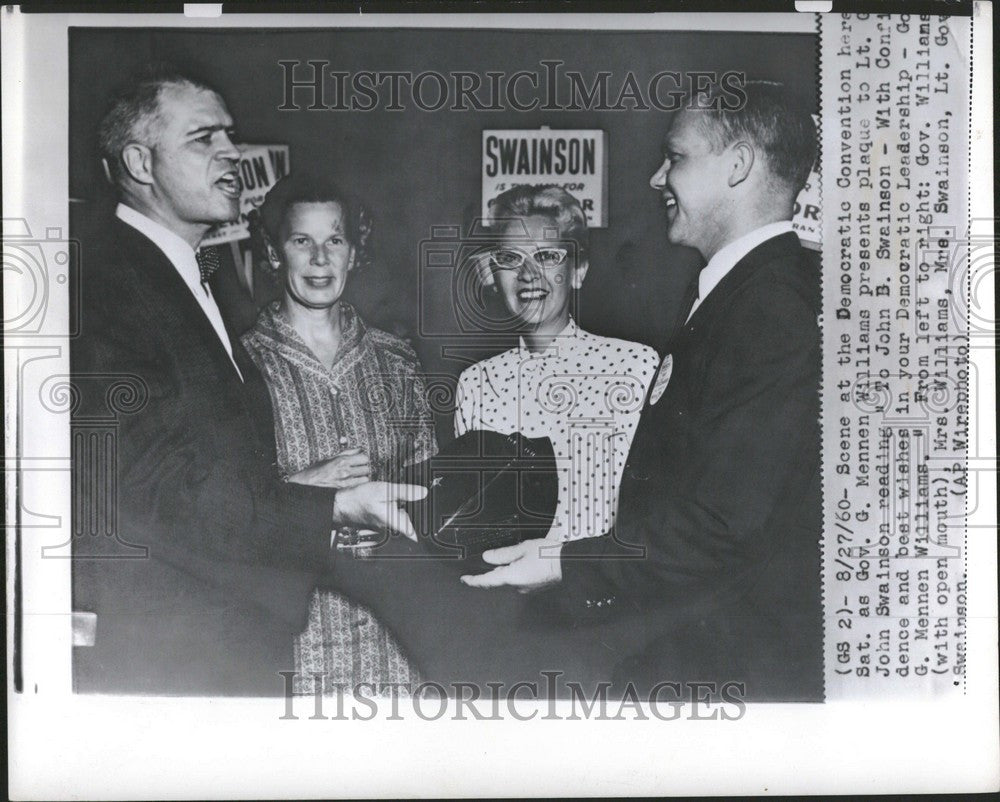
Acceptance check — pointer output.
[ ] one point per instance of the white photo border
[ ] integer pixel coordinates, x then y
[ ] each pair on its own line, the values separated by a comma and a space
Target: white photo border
66, 746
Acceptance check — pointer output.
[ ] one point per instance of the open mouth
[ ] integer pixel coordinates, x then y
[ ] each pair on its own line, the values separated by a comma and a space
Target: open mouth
229, 184
670, 202
532, 294
318, 282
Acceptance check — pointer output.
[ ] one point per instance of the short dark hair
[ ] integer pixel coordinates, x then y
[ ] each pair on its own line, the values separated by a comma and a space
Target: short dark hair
773, 118
312, 188
546, 200
134, 105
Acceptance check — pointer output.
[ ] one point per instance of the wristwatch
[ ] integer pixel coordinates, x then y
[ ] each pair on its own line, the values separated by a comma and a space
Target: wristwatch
359, 542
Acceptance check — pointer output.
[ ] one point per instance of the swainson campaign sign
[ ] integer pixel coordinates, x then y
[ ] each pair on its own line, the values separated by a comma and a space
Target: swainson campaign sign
574, 159
260, 168
806, 218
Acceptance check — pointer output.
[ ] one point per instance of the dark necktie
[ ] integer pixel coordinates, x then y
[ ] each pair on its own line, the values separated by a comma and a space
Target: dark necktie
690, 299
208, 263
691, 302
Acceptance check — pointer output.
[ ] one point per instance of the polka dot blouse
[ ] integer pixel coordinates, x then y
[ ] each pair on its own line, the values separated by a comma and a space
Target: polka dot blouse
584, 393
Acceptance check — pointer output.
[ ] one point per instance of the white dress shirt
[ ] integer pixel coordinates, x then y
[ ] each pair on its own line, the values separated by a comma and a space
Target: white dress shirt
727, 257
181, 255
584, 393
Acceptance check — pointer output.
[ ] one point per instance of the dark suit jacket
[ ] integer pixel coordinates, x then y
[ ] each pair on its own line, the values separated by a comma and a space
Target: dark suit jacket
721, 492
196, 559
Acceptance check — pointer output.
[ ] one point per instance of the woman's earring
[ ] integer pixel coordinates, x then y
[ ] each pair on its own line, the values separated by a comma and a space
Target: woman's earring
272, 257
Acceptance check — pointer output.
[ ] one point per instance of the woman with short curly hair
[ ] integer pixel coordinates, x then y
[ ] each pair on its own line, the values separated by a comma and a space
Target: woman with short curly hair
341, 391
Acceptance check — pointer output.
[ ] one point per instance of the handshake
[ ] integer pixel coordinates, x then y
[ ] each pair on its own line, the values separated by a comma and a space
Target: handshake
360, 502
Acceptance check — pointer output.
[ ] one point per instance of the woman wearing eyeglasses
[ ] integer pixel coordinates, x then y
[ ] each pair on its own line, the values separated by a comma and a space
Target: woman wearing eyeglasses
582, 391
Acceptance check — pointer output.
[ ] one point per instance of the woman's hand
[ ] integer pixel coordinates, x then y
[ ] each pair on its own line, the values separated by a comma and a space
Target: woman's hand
349, 468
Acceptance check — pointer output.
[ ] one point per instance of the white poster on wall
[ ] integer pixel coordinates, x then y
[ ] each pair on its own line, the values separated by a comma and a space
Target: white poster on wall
575, 159
806, 218
260, 168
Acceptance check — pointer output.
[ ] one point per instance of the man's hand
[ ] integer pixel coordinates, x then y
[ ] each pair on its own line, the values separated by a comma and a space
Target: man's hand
527, 566
349, 468
375, 505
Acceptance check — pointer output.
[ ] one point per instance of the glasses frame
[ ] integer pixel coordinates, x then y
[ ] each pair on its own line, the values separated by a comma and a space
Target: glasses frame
526, 255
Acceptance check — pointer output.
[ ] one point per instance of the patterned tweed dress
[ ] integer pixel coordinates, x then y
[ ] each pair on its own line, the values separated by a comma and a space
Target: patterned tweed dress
372, 397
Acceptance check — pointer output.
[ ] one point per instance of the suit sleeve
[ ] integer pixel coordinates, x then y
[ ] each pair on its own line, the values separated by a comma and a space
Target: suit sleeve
187, 488
756, 428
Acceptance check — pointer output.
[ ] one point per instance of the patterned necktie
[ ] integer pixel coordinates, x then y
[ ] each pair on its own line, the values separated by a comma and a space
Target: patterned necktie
208, 263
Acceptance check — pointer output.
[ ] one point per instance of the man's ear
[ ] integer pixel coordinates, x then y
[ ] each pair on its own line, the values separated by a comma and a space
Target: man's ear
138, 161
742, 161
578, 274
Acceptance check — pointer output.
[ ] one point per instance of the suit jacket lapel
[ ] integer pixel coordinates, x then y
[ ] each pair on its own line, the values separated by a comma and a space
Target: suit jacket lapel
171, 299
686, 345
744, 269
256, 397
681, 323
183, 321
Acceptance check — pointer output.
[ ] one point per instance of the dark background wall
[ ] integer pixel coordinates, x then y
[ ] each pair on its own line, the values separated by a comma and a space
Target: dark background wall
419, 169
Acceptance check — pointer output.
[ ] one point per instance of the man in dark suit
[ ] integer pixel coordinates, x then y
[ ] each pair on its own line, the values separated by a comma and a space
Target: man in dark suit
722, 486
199, 561
712, 571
